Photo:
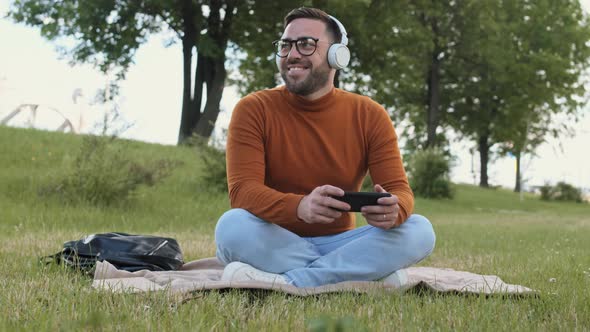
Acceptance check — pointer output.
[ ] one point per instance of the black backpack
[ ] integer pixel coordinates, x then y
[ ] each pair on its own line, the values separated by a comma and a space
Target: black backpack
125, 251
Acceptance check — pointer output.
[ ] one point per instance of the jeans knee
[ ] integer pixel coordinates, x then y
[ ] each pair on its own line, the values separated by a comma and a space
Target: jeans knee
228, 232
423, 233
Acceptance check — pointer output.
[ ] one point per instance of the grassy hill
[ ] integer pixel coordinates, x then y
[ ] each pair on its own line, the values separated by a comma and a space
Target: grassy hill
541, 245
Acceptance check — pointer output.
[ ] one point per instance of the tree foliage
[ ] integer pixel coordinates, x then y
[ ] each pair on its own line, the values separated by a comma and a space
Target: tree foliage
524, 66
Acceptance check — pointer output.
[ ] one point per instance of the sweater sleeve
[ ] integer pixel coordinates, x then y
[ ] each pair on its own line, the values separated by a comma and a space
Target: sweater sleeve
385, 163
245, 157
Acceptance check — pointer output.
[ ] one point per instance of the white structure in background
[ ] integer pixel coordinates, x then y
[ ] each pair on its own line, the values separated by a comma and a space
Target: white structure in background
74, 115
33, 114
39, 116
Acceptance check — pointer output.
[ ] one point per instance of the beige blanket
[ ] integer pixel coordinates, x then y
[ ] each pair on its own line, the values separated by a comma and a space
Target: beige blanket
205, 274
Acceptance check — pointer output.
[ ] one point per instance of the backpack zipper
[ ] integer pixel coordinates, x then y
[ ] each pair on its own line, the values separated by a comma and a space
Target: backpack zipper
157, 248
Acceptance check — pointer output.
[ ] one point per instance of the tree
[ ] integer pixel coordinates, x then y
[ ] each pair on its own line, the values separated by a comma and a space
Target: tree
525, 66
557, 86
530, 132
109, 32
439, 22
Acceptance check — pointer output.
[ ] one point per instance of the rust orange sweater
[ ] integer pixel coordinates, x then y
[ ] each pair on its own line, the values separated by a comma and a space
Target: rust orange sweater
281, 146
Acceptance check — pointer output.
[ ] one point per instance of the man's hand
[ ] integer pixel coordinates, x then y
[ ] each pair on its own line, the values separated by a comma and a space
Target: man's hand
384, 215
320, 208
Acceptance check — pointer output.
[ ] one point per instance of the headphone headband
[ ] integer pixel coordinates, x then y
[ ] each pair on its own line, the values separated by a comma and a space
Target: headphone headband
338, 53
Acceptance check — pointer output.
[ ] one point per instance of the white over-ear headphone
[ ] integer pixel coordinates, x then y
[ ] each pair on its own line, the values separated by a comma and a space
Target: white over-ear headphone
338, 53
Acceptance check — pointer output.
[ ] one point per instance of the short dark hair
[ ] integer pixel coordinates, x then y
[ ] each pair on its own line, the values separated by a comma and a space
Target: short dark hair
316, 14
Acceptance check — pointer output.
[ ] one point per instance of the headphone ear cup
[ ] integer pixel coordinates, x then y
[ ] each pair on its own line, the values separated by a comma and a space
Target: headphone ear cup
338, 56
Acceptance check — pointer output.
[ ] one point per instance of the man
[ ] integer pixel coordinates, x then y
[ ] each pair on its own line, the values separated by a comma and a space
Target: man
291, 150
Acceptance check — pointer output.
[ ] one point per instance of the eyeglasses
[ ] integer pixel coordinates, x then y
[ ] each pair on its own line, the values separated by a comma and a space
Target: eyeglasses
305, 46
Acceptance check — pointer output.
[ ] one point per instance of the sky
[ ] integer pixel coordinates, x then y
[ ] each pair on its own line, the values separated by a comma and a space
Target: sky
31, 71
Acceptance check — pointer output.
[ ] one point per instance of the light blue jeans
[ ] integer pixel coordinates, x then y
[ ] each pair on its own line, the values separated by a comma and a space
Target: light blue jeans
364, 253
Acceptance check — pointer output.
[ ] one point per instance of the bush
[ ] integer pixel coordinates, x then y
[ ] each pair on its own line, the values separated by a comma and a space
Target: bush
102, 173
546, 191
429, 174
214, 171
561, 192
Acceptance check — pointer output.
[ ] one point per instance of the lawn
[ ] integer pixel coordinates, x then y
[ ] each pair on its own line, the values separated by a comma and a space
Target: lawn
541, 245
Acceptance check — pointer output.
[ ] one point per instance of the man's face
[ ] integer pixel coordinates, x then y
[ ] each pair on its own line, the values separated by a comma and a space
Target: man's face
305, 75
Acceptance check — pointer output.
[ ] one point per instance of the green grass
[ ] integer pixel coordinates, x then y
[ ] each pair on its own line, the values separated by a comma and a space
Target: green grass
542, 245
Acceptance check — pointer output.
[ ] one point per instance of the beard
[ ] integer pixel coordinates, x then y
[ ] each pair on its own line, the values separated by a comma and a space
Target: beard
316, 79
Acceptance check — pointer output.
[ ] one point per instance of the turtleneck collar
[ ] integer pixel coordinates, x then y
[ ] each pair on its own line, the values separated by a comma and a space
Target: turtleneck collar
302, 104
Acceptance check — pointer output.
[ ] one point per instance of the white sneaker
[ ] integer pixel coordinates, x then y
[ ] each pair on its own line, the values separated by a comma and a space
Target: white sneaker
238, 271
398, 279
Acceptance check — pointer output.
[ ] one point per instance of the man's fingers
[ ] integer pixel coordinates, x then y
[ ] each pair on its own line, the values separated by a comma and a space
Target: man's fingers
323, 215
378, 209
319, 206
385, 200
328, 190
379, 189
380, 224
326, 212
383, 221
379, 218
336, 204
391, 200
324, 198
319, 219
382, 216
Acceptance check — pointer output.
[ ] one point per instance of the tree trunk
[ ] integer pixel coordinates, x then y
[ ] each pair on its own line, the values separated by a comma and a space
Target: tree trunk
200, 72
484, 150
188, 42
185, 126
192, 116
517, 186
433, 100
214, 72
215, 86
433, 83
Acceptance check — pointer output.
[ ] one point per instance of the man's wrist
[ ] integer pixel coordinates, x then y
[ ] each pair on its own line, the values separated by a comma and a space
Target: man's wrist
299, 212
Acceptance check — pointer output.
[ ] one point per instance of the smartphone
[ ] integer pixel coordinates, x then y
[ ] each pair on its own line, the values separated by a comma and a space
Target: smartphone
357, 199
